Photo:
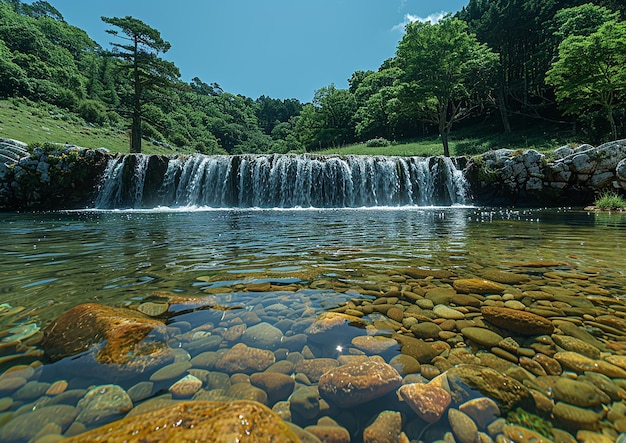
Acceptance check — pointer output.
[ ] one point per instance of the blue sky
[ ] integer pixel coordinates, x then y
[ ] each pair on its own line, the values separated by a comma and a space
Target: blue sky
278, 48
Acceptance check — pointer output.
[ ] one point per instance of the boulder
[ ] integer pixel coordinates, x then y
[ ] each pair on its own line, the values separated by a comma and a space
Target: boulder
521, 322
242, 421
352, 384
112, 341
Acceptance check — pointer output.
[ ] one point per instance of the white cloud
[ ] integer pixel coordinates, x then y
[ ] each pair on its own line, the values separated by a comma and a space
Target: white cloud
410, 18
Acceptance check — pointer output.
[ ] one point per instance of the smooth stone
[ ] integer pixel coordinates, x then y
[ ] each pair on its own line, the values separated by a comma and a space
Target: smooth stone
521, 322
328, 431
140, 391
580, 363
102, 403
482, 336
374, 344
428, 401
477, 286
354, 384
277, 386
25, 426
219, 422
245, 359
519, 434
572, 330
514, 304
443, 311
152, 309
305, 402
56, 388
482, 410
576, 345
506, 391
463, 427
329, 324
405, 364
508, 278
263, 336
205, 360
386, 428
245, 391
315, 368
205, 343
578, 393
426, 330
171, 371
573, 417
31, 390
186, 386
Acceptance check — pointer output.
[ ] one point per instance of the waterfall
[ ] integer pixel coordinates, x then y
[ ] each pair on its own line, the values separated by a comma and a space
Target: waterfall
284, 181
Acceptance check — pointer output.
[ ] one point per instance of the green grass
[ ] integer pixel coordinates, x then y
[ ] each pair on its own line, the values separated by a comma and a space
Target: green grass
610, 200
39, 123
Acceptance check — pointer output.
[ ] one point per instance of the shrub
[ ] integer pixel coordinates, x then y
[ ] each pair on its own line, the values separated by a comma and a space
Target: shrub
378, 142
93, 111
610, 200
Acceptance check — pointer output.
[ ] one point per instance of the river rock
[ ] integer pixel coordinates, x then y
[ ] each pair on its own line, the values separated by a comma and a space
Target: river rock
428, 401
405, 364
443, 311
385, 429
573, 417
220, 422
305, 402
578, 393
576, 345
482, 410
102, 403
328, 431
477, 286
353, 384
463, 427
242, 358
277, 386
521, 322
519, 434
171, 371
374, 344
186, 386
508, 278
482, 336
262, 335
25, 426
506, 391
330, 325
114, 341
315, 367
580, 363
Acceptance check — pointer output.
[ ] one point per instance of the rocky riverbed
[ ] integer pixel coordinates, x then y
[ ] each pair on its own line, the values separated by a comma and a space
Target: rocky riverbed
534, 352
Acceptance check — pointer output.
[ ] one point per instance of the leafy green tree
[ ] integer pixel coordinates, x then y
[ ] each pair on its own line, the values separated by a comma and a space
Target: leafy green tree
139, 55
590, 72
446, 71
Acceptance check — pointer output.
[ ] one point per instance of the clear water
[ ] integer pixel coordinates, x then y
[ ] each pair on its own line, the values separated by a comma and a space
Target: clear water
50, 262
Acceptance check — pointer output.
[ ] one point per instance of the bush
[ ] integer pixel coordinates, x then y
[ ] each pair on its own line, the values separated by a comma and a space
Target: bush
469, 148
93, 111
610, 200
378, 142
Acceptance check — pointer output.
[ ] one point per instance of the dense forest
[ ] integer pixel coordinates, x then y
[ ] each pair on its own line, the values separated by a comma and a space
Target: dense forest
496, 64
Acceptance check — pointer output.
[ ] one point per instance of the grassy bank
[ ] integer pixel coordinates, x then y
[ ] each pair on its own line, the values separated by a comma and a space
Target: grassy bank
40, 123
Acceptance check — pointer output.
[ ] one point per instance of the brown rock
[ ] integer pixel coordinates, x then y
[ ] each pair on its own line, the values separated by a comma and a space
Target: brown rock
219, 422
521, 322
241, 358
580, 363
353, 384
428, 401
132, 342
506, 391
329, 323
315, 367
374, 344
277, 386
463, 427
385, 429
328, 431
477, 286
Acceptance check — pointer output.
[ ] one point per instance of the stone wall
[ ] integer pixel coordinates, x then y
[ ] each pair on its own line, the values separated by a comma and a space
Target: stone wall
569, 176
67, 177
51, 177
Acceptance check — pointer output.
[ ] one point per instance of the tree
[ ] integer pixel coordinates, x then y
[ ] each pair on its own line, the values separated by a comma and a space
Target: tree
590, 71
140, 57
445, 71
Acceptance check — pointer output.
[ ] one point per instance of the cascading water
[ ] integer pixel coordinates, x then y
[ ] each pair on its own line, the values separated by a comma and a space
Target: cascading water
284, 181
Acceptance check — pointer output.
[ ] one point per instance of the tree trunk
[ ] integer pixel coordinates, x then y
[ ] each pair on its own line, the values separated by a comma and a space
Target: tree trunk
135, 135
609, 111
503, 114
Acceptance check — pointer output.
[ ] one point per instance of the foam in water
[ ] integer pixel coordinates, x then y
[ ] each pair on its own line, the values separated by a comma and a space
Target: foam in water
280, 181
